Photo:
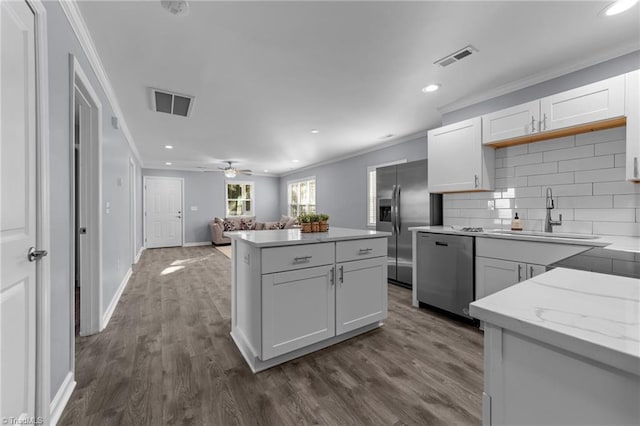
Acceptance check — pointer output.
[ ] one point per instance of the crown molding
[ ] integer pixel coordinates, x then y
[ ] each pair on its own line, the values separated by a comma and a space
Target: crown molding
538, 78
74, 16
398, 141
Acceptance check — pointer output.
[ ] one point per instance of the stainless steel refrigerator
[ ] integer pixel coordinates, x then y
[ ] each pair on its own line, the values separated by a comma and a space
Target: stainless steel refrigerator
403, 201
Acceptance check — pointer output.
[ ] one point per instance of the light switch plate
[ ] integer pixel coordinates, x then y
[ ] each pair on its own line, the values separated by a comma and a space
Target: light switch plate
194, 208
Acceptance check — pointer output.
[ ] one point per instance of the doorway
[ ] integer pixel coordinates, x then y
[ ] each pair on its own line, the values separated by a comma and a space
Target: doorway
86, 195
163, 211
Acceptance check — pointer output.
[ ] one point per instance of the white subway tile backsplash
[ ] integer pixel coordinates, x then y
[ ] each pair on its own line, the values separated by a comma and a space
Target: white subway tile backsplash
602, 175
552, 179
537, 169
606, 215
519, 160
626, 201
568, 153
615, 134
615, 147
622, 187
592, 202
553, 144
617, 228
591, 163
512, 151
586, 173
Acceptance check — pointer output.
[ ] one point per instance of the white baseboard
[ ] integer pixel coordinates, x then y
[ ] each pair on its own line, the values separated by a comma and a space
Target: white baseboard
138, 255
202, 243
61, 399
114, 302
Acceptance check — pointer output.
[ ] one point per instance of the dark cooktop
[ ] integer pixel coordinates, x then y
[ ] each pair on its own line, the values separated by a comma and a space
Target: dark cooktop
612, 262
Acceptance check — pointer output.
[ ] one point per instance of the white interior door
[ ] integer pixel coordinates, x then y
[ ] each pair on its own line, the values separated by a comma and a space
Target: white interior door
163, 212
18, 213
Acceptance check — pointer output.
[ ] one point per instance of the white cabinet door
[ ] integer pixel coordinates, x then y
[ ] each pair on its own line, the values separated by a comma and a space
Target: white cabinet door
361, 293
520, 120
298, 309
593, 102
493, 275
533, 270
632, 111
457, 159
18, 287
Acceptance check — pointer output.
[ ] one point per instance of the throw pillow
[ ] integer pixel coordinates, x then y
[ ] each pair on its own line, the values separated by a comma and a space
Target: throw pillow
248, 223
283, 221
290, 223
229, 225
273, 225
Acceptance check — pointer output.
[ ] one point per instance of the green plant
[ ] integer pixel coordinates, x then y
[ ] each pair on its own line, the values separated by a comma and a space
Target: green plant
304, 218
314, 217
323, 217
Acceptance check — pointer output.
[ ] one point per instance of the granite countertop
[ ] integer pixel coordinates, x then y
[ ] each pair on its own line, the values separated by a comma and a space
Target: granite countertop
289, 237
612, 242
594, 315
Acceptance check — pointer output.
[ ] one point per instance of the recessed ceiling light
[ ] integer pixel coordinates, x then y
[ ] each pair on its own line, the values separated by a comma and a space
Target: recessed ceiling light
315, 131
266, 171
431, 88
167, 164
295, 161
169, 146
619, 7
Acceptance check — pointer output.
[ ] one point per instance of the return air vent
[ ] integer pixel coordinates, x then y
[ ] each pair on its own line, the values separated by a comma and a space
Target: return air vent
456, 56
171, 103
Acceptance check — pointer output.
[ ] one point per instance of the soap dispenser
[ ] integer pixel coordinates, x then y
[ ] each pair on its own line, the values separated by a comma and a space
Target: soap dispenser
516, 223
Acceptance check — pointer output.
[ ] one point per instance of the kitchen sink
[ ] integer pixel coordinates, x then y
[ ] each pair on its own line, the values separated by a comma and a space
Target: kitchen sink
544, 234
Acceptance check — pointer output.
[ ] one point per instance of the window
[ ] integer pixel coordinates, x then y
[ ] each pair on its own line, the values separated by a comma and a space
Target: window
302, 196
371, 190
240, 199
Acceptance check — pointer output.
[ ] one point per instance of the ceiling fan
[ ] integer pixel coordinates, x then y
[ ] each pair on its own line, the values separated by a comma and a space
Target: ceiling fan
232, 172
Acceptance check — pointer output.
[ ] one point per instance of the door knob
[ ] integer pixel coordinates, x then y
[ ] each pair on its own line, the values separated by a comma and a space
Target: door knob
34, 254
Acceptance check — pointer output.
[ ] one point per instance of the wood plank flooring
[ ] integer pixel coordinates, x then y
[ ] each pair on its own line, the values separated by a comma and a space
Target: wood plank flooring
166, 357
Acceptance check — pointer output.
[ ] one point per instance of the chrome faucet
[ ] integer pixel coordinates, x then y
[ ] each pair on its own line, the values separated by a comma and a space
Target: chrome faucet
548, 223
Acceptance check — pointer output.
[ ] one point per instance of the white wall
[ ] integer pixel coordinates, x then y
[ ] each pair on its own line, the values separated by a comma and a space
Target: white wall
586, 174
206, 191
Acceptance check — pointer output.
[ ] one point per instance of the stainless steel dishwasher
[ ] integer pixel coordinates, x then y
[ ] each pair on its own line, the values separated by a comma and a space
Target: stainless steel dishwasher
445, 271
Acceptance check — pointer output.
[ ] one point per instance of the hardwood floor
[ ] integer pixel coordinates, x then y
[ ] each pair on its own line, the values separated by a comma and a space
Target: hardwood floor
167, 358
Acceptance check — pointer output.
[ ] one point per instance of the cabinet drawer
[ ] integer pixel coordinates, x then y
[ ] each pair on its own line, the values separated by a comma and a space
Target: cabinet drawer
360, 249
278, 259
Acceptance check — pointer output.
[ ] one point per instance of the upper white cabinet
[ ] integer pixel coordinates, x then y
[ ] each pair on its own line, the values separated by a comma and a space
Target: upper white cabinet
545, 118
632, 110
593, 102
520, 120
458, 161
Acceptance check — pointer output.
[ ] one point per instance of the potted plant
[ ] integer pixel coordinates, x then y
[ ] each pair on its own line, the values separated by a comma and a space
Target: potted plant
315, 222
305, 222
324, 222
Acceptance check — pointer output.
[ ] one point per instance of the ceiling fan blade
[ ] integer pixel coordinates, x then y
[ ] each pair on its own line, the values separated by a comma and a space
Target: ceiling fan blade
245, 171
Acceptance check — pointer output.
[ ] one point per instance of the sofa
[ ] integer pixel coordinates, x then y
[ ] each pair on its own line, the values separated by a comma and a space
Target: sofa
219, 226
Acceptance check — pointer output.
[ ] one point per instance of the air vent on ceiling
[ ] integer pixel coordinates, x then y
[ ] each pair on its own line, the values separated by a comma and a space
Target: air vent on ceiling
171, 103
456, 56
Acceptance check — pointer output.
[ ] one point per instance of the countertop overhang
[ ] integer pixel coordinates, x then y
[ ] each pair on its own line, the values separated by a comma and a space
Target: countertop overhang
288, 237
594, 315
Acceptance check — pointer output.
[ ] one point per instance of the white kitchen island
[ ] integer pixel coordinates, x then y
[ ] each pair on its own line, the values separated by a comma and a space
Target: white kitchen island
562, 348
295, 293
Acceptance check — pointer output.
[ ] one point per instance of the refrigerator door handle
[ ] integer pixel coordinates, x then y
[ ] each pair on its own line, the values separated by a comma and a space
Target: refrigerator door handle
398, 223
393, 209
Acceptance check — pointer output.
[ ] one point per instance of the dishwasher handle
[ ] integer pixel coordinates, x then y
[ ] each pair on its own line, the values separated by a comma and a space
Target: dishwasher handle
440, 243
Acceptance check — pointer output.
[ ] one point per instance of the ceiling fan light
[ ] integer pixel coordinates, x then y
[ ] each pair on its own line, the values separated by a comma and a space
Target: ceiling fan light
230, 173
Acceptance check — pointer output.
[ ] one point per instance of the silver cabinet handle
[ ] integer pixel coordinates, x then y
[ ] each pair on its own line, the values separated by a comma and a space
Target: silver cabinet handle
341, 274
635, 167
332, 279
530, 271
533, 124
302, 259
519, 272
477, 181
364, 250
34, 254
543, 122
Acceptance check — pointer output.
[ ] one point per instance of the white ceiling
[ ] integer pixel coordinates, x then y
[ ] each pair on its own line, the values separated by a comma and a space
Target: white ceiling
265, 73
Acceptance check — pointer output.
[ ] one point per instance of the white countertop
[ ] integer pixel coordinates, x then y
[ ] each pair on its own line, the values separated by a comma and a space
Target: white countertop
587, 313
289, 237
613, 242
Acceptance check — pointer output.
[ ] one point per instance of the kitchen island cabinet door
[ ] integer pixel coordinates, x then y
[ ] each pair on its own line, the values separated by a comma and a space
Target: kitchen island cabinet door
361, 293
298, 309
